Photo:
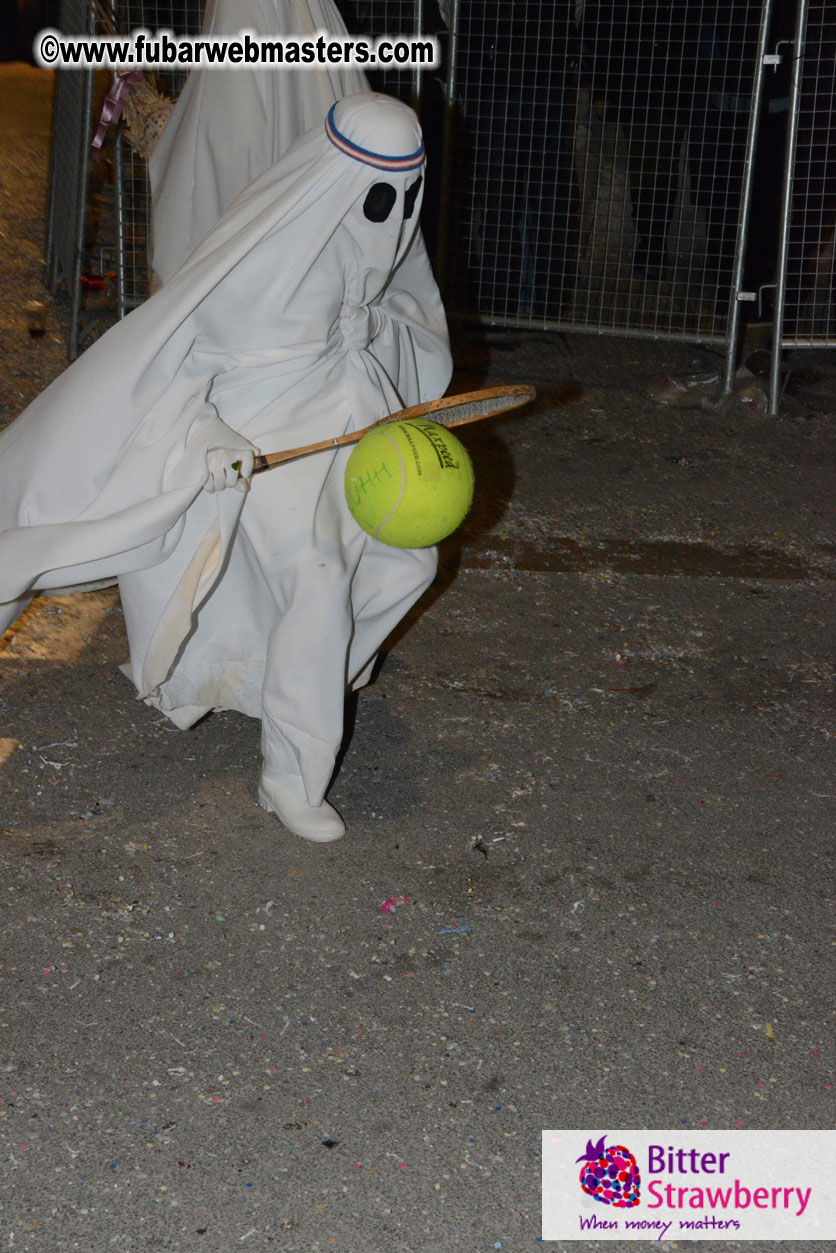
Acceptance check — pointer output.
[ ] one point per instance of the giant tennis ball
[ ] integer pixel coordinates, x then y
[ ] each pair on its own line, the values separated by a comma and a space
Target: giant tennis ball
409, 484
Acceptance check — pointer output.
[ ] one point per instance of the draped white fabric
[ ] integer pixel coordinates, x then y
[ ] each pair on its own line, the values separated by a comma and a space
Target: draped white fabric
228, 126
297, 318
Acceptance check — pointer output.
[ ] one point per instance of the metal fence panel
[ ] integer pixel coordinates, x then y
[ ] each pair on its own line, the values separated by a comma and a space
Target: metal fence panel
68, 176
97, 219
132, 187
809, 314
805, 297
602, 165
377, 18
599, 160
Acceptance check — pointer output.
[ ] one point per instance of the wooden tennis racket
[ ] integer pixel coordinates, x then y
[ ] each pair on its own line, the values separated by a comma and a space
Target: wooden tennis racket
451, 411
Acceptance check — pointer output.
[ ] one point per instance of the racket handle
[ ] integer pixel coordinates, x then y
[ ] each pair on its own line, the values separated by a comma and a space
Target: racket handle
263, 462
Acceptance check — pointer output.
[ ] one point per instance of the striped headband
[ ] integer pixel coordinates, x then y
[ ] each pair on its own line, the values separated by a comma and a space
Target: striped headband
376, 159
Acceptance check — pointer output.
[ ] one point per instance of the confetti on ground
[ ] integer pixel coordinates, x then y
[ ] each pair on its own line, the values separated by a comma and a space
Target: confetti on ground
392, 904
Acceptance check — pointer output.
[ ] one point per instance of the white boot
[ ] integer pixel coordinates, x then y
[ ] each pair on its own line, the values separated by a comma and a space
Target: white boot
284, 796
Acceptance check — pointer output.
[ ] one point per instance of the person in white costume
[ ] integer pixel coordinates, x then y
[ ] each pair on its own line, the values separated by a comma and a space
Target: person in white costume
310, 309
229, 126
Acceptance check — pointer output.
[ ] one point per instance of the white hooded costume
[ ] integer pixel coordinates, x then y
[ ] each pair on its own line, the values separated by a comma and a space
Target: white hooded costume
229, 126
309, 310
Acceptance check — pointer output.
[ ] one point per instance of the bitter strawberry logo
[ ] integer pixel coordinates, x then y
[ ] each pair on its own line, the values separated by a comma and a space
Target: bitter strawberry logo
610, 1174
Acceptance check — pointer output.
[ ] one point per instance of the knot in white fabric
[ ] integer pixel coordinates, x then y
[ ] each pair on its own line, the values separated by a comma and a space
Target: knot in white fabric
358, 325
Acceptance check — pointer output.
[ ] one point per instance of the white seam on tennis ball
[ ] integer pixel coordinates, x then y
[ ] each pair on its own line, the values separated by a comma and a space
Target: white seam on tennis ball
397, 503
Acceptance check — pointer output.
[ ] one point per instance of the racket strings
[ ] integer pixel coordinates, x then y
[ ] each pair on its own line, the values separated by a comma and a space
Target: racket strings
483, 404
474, 409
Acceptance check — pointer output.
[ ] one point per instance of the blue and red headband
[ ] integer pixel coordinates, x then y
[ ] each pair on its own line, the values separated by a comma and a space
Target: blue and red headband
381, 162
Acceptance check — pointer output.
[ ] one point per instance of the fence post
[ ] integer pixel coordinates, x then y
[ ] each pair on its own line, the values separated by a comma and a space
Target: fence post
786, 211
745, 207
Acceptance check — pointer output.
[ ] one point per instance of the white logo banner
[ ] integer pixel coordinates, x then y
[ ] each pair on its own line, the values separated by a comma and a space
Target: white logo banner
689, 1185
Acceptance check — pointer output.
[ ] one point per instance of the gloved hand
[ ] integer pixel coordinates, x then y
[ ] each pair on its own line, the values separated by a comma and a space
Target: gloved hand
229, 467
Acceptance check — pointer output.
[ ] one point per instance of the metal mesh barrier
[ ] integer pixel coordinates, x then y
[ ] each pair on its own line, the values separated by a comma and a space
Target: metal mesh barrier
808, 299
132, 188
603, 167
376, 18
97, 221
805, 294
69, 178
599, 150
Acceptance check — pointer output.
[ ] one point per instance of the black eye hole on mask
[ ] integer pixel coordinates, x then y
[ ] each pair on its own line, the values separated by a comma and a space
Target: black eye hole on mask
379, 201
410, 197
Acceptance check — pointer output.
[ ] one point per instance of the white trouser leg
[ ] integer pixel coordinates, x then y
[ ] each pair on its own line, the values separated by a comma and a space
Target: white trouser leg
330, 629
305, 675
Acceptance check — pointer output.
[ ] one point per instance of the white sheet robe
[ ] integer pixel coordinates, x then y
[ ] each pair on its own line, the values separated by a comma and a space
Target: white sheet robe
228, 126
296, 319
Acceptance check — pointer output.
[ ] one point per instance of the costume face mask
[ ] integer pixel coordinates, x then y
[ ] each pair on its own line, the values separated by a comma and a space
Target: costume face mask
377, 229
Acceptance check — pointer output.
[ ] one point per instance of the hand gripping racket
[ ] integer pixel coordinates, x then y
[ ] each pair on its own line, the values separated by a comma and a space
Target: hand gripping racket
451, 411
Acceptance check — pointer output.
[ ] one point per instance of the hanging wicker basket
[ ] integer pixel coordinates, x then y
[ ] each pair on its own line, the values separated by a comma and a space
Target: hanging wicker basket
146, 110
145, 115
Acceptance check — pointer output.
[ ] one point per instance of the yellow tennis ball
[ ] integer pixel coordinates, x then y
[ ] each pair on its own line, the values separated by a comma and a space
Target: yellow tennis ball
409, 484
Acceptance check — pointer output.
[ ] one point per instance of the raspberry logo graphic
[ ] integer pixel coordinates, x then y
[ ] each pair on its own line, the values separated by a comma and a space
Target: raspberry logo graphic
610, 1175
